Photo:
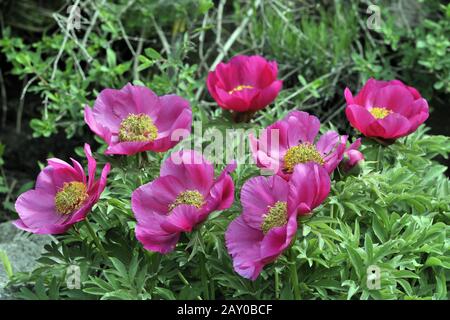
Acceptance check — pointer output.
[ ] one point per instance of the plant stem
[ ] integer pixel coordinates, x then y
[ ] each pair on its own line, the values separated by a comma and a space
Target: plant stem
155, 261
203, 276
96, 240
294, 275
203, 271
184, 280
212, 290
277, 284
379, 156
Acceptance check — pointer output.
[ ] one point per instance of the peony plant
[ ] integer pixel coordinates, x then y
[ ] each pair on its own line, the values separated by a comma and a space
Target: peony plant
153, 228
245, 83
63, 196
386, 109
134, 119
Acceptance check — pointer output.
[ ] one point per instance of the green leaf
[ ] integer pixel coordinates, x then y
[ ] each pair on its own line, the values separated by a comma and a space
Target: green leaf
356, 261
111, 58
6, 264
369, 248
165, 293
152, 54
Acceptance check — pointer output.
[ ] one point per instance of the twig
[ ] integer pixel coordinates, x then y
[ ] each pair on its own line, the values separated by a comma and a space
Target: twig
201, 40
92, 24
219, 23
137, 54
63, 45
162, 37
20, 109
10, 190
125, 37
296, 93
4, 99
231, 40
235, 35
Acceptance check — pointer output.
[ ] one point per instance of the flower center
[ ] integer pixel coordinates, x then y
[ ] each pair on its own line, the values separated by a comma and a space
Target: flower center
189, 197
276, 217
137, 127
380, 113
71, 197
302, 153
239, 88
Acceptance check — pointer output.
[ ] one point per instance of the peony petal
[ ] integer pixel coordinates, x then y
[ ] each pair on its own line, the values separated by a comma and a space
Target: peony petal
394, 97
48, 229
191, 169
45, 182
303, 127
349, 96
232, 101
362, 120
98, 129
221, 195
100, 185
92, 164
175, 113
128, 147
112, 106
36, 210
64, 172
309, 185
79, 169
144, 101
243, 244
419, 114
211, 83
366, 96
228, 76
155, 239
328, 142
155, 196
278, 239
258, 194
395, 126
182, 218
354, 156
266, 96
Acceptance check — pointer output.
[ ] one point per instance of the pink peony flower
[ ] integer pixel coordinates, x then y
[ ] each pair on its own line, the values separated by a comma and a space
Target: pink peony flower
354, 156
62, 197
181, 198
386, 109
134, 119
291, 141
268, 222
245, 83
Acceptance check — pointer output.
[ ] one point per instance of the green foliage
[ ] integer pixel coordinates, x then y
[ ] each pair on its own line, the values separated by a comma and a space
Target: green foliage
392, 212
320, 49
68, 69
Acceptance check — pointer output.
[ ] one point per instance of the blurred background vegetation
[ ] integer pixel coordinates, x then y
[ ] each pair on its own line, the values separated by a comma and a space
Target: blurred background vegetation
49, 71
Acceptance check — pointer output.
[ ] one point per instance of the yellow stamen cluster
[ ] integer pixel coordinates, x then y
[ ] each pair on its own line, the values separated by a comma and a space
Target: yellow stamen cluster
189, 197
302, 153
239, 88
380, 113
276, 217
137, 127
71, 197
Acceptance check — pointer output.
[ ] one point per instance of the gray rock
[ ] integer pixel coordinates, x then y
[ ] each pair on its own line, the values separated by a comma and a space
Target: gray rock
22, 250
